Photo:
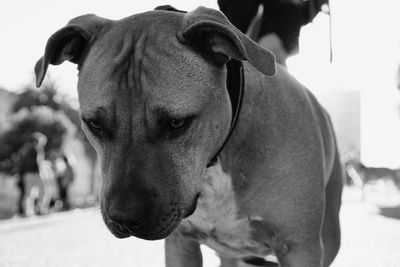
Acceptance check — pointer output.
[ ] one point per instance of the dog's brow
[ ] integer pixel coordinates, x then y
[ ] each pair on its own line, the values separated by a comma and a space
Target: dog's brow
176, 112
95, 113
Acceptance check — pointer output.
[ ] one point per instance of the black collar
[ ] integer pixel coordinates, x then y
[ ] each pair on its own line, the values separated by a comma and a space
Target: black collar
235, 86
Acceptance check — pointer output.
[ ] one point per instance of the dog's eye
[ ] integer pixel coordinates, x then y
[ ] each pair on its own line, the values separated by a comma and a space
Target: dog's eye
93, 124
175, 127
177, 123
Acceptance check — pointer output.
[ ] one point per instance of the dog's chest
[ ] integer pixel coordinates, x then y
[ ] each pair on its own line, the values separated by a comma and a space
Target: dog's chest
217, 222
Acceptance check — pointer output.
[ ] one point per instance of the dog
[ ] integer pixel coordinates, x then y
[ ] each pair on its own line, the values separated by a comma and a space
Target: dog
360, 175
251, 172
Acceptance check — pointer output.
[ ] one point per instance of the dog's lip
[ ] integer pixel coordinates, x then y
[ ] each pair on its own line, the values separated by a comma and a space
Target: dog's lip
193, 207
174, 221
164, 230
120, 235
118, 231
163, 233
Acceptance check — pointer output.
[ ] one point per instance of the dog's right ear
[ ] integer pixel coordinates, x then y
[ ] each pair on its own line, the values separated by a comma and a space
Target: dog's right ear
69, 43
211, 31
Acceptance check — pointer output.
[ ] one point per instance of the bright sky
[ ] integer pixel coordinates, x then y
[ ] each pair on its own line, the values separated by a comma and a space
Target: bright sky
365, 36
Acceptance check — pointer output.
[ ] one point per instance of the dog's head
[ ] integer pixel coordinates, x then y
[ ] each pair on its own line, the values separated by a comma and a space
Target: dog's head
154, 105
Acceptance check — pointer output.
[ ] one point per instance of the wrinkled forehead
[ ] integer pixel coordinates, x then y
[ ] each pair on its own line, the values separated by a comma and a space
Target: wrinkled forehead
154, 30
137, 53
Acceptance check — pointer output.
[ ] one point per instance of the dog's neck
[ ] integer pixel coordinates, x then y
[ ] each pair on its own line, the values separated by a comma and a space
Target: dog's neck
250, 140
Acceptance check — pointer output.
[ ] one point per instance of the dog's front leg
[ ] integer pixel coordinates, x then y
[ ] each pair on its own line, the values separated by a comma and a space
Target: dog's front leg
181, 251
306, 255
291, 250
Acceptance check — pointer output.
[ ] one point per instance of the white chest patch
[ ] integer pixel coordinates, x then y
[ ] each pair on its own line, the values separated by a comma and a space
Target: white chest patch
216, 221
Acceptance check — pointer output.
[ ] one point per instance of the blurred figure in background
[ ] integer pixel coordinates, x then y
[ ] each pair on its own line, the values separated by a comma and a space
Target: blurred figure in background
46, 175
64, 178
38, 183
360, 175
274, 24
22, 185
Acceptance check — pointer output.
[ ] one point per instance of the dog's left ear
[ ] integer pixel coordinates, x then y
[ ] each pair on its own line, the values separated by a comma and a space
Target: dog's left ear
69, 43
210, 28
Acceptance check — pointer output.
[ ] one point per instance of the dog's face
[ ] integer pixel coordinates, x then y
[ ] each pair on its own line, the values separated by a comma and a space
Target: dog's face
154, 104
146, 106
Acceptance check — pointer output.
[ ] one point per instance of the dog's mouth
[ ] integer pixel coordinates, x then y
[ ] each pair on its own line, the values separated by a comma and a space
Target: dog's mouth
153, 230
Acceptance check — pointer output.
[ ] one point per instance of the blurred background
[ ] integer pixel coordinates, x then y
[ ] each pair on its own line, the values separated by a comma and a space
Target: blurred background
49, 177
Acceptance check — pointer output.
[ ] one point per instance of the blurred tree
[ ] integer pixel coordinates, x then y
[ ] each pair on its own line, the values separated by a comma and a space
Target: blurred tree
17, 154
49, 96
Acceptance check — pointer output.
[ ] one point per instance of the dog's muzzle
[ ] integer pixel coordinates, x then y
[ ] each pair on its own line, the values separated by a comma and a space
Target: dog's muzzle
148, 225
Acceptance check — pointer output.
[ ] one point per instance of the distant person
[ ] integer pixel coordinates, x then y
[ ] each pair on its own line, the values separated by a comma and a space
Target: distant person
64, 178
21, 186
46, 175
279, 25
28, 178
38, 181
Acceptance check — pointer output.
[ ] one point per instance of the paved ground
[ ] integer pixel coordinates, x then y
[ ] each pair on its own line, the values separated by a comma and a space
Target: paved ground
371, 238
